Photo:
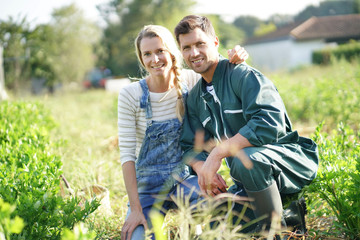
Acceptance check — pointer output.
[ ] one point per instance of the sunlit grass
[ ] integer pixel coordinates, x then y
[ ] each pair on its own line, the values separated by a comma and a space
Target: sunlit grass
87, 130
321, 93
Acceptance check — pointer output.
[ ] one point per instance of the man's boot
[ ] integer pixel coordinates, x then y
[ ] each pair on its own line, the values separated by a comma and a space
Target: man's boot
267, 202
294, 216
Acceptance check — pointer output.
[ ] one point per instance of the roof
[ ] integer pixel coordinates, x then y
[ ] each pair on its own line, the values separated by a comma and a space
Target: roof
328, 27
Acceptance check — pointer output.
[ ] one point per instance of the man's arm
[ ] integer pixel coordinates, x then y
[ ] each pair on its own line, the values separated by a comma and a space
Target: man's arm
196, 149
191, 153
227, 148
263, 108
265, 114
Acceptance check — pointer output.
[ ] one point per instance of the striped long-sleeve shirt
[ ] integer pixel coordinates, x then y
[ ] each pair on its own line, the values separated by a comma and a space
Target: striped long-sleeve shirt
131, 118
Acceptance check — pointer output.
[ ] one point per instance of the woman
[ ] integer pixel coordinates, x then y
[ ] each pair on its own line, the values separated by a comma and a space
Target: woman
149, 120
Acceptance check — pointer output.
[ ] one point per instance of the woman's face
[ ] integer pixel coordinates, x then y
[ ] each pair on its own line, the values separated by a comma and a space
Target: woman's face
156, 58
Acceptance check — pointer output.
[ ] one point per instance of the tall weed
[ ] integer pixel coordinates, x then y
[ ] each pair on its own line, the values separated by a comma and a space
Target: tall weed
338, 180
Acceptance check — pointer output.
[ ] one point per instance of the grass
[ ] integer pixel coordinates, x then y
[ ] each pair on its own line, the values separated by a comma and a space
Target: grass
87, 130
321, 93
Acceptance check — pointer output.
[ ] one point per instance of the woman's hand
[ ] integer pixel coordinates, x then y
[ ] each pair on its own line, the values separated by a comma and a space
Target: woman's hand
237, 55
135, 219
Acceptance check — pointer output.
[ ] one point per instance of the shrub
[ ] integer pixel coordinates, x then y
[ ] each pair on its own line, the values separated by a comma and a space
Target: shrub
30, 173
348, 51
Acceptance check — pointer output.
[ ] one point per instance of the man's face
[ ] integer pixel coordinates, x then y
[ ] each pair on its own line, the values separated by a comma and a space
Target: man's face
200, 51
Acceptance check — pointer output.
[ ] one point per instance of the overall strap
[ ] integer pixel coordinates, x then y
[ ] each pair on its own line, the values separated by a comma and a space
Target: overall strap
145, 99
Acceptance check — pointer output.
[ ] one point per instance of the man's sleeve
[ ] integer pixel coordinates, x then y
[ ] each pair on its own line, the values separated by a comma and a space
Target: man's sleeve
263, 109
191, 124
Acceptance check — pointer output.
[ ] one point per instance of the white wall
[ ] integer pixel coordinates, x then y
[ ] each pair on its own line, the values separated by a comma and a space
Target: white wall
282, 54
270, 56
301, 53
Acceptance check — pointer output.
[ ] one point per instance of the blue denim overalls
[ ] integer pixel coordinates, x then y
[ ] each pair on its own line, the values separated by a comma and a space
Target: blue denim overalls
160, 158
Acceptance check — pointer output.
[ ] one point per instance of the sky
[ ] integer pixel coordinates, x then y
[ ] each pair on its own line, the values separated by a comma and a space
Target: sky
39, 11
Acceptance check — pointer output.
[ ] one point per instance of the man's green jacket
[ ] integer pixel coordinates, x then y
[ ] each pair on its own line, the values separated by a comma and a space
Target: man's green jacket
245, 102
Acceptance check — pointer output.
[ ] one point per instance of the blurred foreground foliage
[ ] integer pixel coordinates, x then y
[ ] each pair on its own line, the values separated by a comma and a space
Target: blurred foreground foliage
30, 174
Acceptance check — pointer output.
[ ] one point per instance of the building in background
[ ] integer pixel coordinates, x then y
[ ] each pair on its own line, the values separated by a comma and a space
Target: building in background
293, 45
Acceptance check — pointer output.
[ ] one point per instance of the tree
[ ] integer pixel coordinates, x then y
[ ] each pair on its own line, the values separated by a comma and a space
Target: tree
265, 28
328, 8
59, 52
228, 34
357, 6
70, 52
281, 19
248, 24
14, 39
43, 46
131, 16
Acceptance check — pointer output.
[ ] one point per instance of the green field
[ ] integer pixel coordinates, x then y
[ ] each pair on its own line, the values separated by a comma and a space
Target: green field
86, 142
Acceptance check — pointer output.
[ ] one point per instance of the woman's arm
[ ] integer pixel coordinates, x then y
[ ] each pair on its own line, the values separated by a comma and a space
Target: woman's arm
136, 216
127, 144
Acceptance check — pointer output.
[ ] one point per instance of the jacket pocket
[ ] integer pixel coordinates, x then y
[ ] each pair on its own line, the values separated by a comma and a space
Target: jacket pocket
205, 119
234, 115
232, 108
233, 111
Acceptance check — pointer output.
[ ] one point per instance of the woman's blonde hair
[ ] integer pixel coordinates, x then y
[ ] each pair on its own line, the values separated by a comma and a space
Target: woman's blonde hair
150, 31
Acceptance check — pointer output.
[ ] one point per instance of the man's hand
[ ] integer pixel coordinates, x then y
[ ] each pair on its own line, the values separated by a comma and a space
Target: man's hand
218, 183
135, 219
209, 181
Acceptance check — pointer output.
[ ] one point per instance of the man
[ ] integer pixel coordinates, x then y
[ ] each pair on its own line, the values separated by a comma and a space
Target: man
243, 111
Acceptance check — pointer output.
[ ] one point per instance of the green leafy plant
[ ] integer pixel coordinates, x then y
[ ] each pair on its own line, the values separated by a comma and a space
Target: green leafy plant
79, 232
9, 224
30, 173
338, 180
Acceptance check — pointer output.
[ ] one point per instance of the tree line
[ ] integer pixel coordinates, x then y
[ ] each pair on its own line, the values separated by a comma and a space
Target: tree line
69, 46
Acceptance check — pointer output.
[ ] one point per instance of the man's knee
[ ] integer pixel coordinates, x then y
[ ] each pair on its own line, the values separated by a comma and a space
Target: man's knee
259, 176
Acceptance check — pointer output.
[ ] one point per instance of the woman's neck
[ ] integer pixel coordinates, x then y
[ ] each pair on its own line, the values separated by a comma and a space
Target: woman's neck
160, 84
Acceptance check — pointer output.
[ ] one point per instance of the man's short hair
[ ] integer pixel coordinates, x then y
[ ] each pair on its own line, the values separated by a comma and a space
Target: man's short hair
191, 22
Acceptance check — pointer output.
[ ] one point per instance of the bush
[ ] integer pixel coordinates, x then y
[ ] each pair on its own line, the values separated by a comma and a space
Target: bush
30, 173
338, 180
348, 51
